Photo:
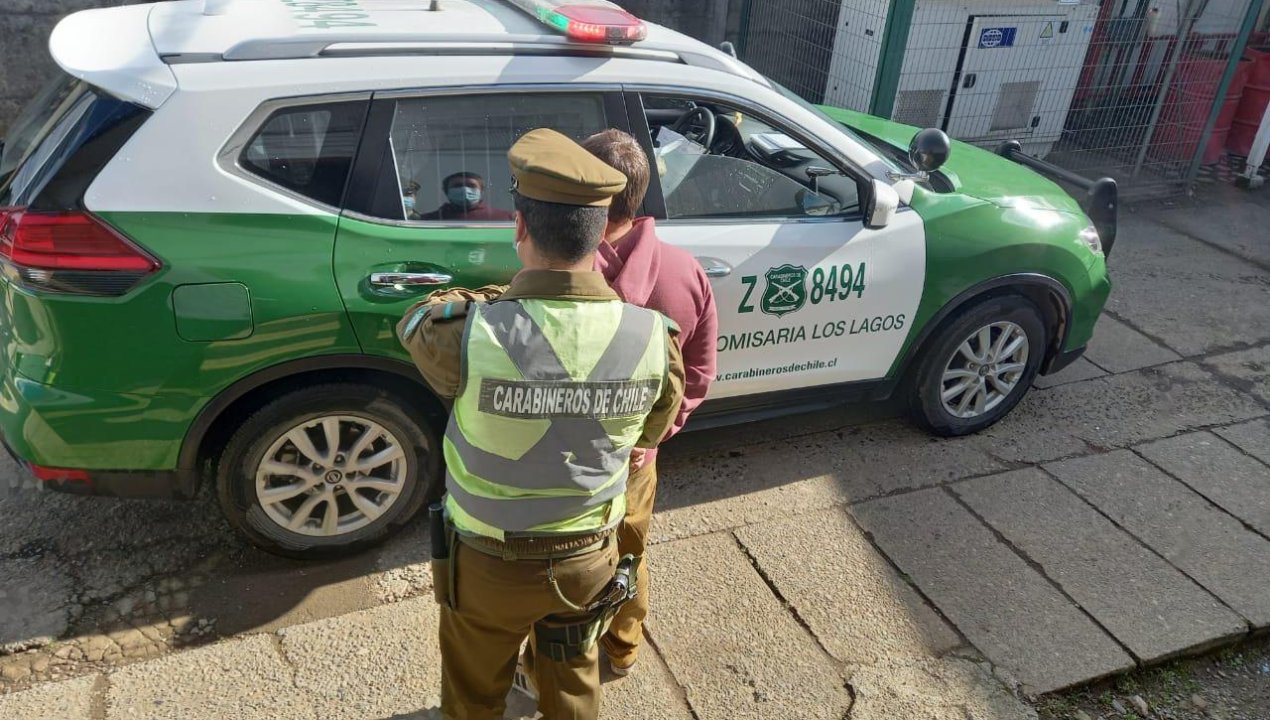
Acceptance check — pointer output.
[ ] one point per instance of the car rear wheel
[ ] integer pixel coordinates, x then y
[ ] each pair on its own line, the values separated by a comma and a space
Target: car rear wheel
327, 471
978, 367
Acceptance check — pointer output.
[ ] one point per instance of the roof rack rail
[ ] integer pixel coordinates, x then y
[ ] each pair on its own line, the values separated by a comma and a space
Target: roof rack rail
354, 44
297, 47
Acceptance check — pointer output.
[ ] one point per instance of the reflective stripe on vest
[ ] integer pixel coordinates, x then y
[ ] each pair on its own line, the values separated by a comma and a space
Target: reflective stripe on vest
533, 447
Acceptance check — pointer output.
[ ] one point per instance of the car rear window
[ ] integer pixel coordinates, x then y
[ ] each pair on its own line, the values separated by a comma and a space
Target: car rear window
307, 149
60, 142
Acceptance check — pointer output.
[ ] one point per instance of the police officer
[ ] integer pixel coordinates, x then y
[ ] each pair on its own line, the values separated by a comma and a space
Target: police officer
554, 382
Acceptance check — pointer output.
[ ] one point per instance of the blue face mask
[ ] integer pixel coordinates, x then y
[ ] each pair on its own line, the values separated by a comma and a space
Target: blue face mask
409, 202
463, 196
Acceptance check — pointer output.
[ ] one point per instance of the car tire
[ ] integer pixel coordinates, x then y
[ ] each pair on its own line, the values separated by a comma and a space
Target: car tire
282, 486
959, 388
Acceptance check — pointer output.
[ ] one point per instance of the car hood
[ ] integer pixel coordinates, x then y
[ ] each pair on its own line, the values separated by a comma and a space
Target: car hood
973, 171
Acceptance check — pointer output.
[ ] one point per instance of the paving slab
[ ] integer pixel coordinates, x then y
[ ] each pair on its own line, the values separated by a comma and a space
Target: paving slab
1148, 605
1193, 297
1118, 348
649, 694
241, 678
1116, 411
68, 700
368, 664
947, 689
1198, 538
699, 493
1250, 368
848, 594
1008, 611
733, 647
1082, 369
1252, 437
1223, 215
1219, 471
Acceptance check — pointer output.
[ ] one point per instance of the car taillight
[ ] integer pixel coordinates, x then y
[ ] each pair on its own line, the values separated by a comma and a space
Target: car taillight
70, 252
52, 474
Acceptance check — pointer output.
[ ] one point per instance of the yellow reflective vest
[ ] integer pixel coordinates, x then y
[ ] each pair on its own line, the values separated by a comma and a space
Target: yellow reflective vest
553, 398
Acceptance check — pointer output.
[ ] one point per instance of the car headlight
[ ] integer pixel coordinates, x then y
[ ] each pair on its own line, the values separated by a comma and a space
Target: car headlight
1090, 236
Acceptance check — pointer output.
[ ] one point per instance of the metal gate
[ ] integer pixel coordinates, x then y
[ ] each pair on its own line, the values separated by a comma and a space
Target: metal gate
1144, 91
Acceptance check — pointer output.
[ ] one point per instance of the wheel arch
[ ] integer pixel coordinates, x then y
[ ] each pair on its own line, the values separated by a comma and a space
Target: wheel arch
217, 420
1049, 294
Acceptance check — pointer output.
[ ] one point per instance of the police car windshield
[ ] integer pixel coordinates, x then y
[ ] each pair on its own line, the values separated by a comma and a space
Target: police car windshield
887, 152
812, 108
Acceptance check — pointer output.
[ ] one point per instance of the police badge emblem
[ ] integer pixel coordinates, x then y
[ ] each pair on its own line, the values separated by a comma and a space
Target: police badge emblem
786, 290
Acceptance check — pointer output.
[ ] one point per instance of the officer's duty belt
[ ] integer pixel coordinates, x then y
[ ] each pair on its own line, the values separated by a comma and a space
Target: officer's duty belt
538, 547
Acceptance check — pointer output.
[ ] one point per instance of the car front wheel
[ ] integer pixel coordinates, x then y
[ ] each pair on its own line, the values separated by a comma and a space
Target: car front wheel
978, 367
327, 471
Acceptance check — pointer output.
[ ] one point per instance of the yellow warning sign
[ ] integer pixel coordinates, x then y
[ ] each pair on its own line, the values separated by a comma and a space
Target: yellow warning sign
1048, 32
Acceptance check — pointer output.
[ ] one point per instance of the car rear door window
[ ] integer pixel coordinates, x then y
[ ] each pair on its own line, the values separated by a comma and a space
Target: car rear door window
447, 157
307, 150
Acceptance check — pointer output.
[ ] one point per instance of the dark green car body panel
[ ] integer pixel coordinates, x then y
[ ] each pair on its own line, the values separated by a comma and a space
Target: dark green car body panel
1002, 220
110, 383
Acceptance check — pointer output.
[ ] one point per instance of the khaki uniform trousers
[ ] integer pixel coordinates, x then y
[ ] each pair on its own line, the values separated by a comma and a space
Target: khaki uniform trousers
621, 643
497, 603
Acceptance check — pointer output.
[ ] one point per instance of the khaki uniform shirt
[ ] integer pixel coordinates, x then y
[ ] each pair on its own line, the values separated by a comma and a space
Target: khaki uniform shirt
436, 345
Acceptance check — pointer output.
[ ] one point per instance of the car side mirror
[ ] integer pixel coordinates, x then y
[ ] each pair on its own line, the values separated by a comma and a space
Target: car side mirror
929, 149
883, 204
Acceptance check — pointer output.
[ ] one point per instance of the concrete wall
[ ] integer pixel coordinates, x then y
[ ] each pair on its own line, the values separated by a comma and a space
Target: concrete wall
24, 59
25, 27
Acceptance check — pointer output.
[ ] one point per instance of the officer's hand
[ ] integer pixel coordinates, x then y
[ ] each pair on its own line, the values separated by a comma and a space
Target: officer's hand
639, 456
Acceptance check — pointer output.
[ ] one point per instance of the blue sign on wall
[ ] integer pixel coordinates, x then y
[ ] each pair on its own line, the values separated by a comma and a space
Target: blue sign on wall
998, 37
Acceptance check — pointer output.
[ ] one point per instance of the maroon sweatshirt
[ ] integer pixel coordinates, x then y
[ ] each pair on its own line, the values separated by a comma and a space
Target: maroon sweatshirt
647, 272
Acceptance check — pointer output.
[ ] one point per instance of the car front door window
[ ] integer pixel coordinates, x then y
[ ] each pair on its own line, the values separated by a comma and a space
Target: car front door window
715, 162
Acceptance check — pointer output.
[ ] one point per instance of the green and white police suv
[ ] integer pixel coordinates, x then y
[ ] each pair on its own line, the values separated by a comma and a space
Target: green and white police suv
212, 218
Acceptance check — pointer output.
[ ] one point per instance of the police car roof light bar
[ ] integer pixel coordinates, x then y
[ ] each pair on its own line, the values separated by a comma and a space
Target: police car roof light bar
592, 21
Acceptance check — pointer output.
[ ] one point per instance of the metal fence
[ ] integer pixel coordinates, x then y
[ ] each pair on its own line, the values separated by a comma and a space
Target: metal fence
1145, 91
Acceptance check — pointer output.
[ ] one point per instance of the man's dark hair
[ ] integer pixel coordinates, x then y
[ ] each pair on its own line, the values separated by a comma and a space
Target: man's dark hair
622, 151
565, 233
460, 176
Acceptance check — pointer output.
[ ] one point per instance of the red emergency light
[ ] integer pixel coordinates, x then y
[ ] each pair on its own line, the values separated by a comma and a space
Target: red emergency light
592, 21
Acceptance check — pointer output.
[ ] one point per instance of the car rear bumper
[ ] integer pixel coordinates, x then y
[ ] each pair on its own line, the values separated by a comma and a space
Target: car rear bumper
66, 442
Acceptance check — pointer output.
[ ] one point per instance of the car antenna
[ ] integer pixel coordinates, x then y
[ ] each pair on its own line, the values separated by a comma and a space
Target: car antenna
435, 6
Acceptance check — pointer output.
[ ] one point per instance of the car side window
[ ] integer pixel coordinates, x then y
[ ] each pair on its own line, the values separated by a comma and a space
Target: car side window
716, 162
307, 149
450, 151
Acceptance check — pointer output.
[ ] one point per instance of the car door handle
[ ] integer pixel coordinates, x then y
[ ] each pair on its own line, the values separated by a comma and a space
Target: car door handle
714, 267
409, 279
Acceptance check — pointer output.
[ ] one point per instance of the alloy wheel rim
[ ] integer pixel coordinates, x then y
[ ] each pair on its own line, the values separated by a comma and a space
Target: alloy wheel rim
984, 369
331, 476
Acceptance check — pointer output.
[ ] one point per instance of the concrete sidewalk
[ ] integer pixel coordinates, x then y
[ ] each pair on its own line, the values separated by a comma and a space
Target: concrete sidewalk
814, 568
896, 659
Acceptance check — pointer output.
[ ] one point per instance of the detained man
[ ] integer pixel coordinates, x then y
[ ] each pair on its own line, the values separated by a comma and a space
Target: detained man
647, 272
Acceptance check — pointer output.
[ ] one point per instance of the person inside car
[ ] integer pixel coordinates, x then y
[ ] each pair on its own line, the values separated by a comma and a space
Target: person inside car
465, 200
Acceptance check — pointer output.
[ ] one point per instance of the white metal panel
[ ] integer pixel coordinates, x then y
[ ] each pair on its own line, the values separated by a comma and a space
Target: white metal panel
111, 49
854, 63
818, 343
1036, 62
